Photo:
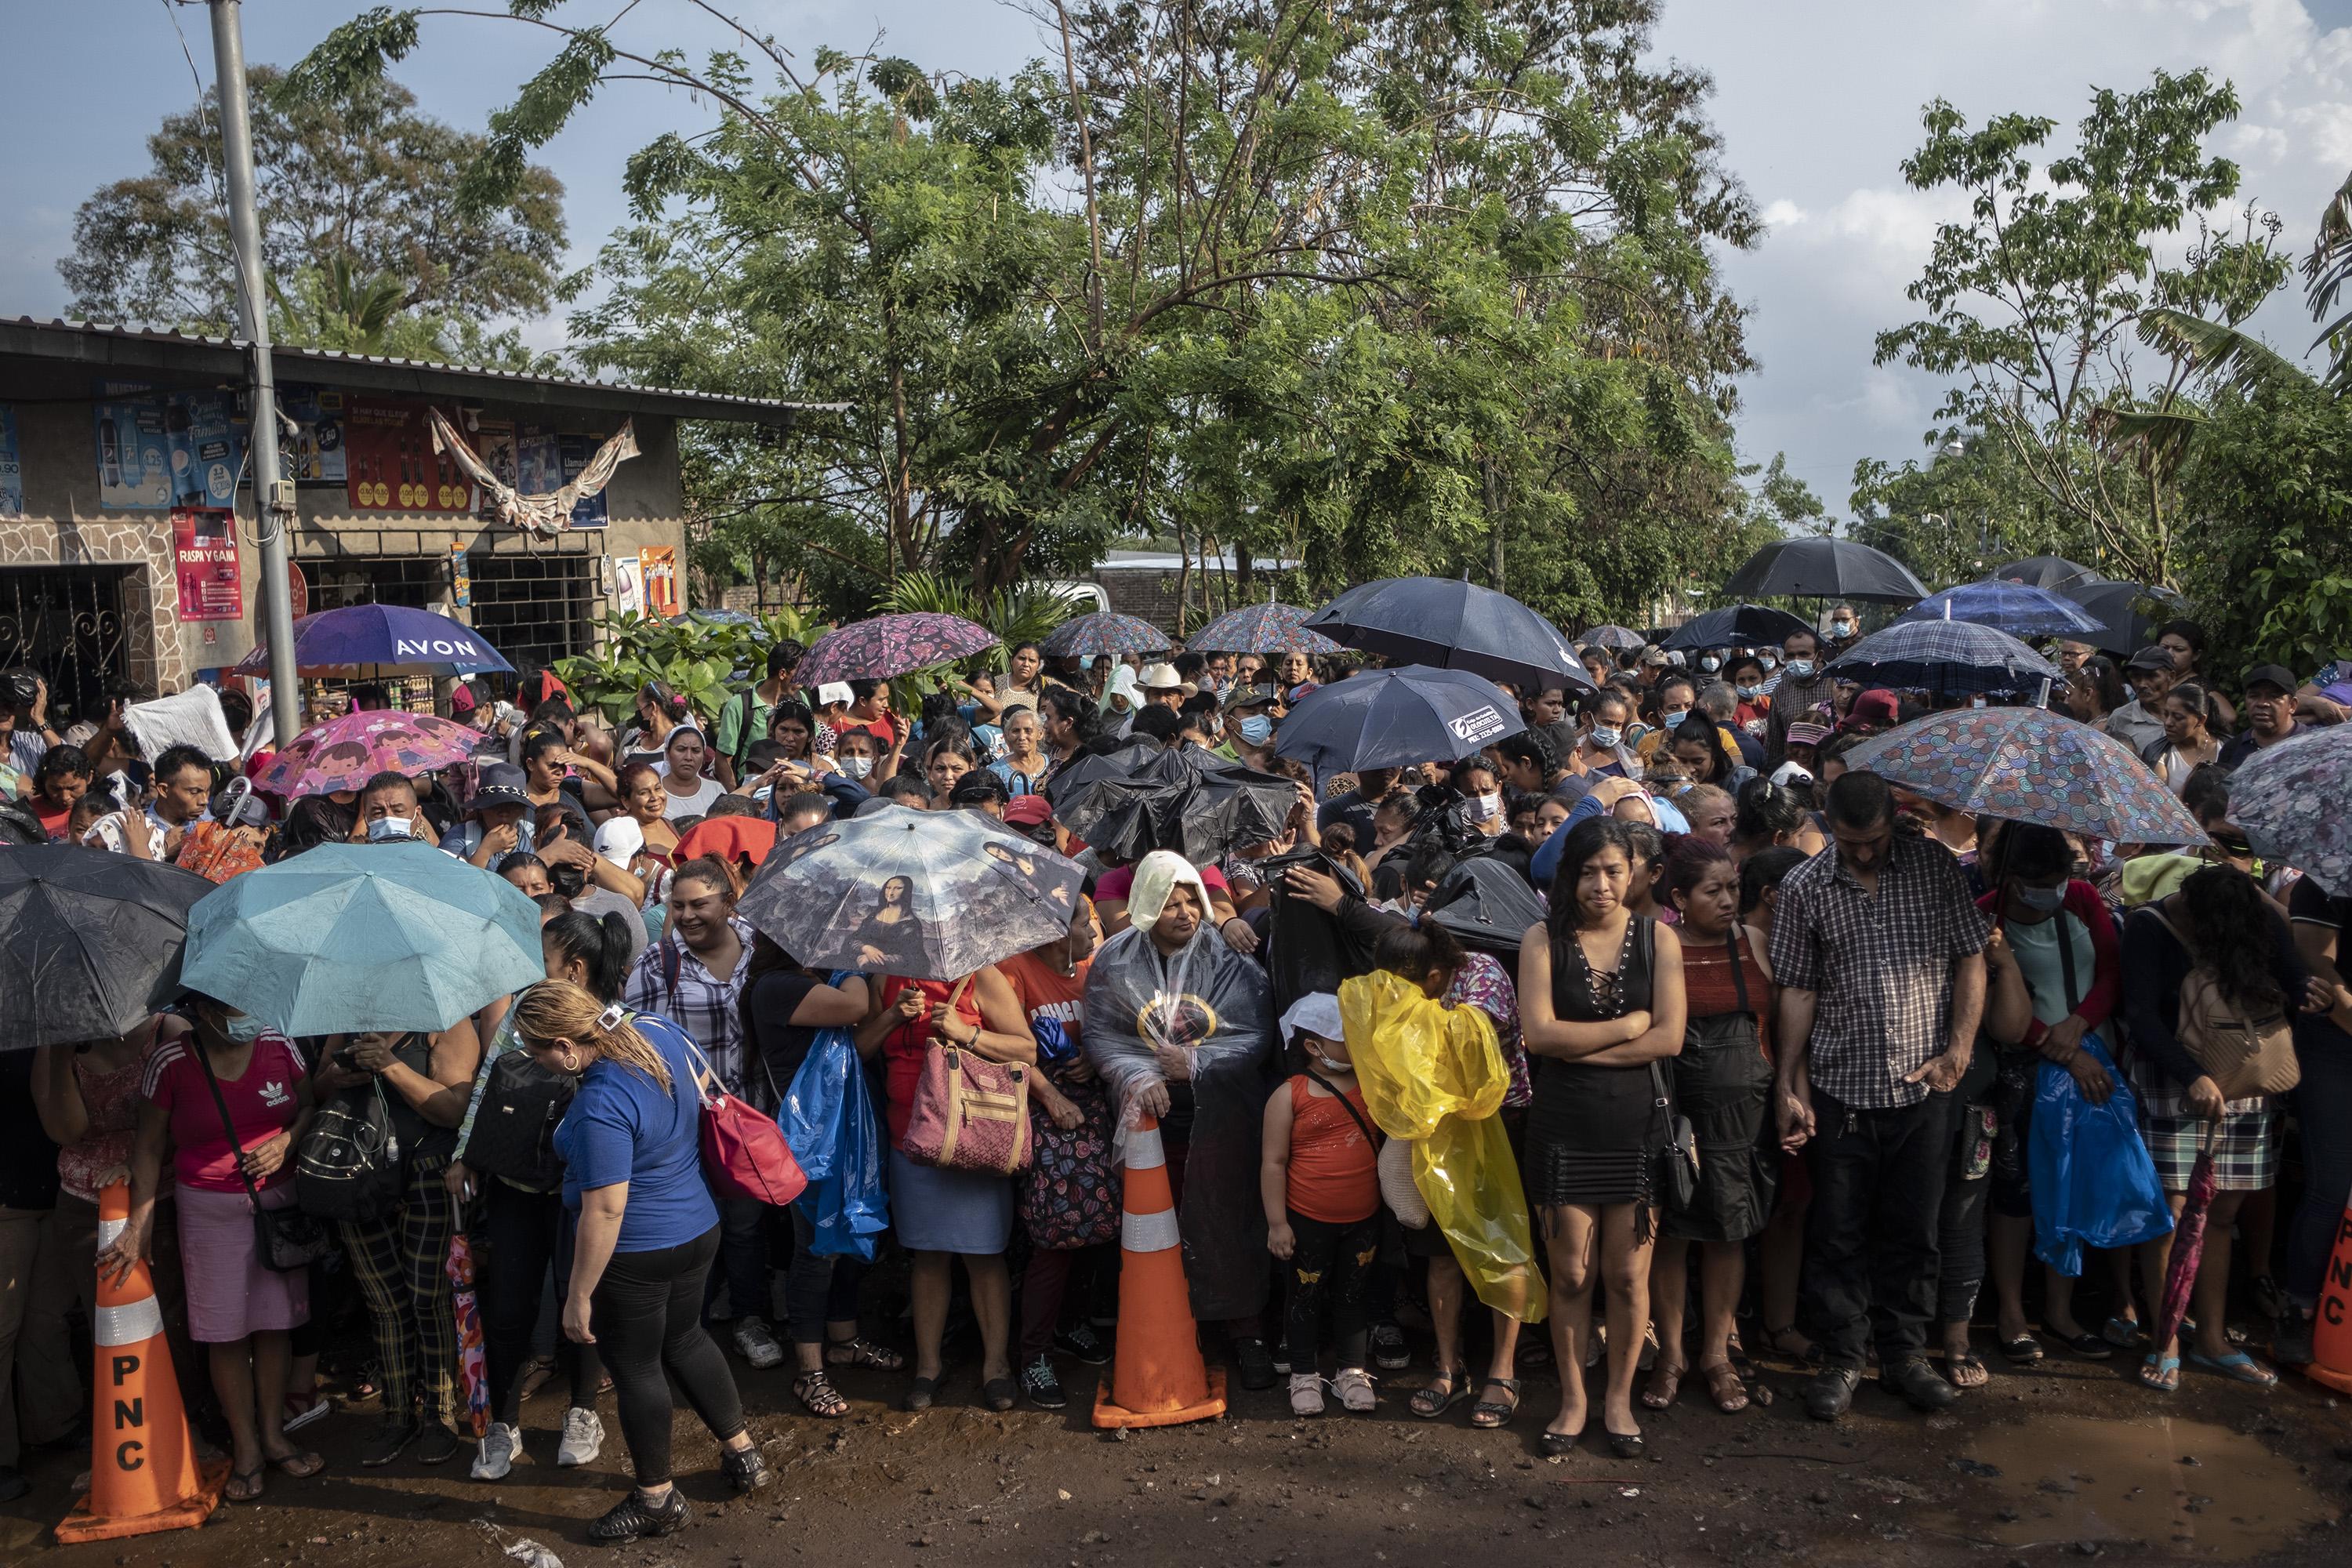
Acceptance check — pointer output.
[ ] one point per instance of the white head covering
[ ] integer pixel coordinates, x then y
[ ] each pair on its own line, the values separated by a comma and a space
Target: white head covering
1122, 684
1318, 1013
1157, 875
834, 691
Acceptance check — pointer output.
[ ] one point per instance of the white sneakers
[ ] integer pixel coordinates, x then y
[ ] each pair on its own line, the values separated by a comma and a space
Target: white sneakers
1305, 1393
495, 1457
756, 1345
584, 1438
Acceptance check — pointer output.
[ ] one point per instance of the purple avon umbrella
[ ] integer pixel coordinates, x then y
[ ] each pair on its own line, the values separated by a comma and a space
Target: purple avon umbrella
890, 646
363, 640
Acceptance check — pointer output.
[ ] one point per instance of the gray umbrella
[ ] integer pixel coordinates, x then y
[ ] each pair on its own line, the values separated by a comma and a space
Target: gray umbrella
89, 943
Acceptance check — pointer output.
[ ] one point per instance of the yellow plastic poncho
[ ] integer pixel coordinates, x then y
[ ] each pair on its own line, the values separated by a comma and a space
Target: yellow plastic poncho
1434, 1075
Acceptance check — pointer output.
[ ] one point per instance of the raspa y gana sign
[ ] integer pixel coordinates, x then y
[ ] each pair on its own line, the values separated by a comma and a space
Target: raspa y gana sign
205, 545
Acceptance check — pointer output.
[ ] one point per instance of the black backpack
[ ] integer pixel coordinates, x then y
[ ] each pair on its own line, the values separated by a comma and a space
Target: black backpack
513, 1134
350, 1164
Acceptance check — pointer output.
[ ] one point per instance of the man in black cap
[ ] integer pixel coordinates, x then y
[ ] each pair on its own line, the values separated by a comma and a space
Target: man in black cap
2150, 672
2270, 713
498, 818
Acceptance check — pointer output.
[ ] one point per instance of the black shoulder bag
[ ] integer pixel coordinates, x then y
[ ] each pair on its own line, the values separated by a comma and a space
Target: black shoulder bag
286, 1240
1682, 1139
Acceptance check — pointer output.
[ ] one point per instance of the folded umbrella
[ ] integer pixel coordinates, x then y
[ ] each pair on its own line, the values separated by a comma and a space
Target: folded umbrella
466, 1313
2126, 614
2188, 1243
359, 938
1615, 638
1270, 627
89, 943
344, 752
2029, 765
2017, 608
1395, 718
2053, 571
1824, 567
1100, 632
1444, 623
362, 641
2290, 800
929, 895
1736, 625
1944, 658
888, 645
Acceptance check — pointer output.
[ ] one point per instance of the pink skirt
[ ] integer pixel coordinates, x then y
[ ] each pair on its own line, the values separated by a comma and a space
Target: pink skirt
230, 1293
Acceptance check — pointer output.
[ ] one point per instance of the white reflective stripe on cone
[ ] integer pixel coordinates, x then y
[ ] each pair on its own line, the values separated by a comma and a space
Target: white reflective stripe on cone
107, 1230
1144, 1152
1149, 1232
132, 1323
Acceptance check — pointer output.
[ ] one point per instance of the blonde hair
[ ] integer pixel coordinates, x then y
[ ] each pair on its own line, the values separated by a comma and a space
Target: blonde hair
556, 1009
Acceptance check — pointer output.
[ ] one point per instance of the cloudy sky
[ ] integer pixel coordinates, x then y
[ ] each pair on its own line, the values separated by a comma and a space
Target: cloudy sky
1819, 100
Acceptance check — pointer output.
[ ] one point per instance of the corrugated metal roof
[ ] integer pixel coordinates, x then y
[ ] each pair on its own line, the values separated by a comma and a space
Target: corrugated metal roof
126, 350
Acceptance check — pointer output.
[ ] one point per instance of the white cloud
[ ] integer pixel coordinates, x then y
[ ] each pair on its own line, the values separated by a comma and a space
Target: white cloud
1782, 215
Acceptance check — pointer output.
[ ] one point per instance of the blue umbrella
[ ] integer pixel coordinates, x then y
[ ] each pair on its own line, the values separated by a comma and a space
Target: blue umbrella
362, 640
354, 938
2018, 608
2054, 572
1944, 659
1393, 718
1448, 624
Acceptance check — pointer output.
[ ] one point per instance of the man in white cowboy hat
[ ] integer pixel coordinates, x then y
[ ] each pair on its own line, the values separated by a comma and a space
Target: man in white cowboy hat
1162, 685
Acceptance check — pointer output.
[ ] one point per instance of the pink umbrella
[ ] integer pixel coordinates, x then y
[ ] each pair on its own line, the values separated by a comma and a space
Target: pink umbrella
345, 753
473, 1367
2188, 1243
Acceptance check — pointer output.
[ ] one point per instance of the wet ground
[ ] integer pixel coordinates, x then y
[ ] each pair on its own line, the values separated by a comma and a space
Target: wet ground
2065, 1462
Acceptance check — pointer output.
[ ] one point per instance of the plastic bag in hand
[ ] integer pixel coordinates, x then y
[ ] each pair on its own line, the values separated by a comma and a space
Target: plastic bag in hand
2093, 1182
828, 1121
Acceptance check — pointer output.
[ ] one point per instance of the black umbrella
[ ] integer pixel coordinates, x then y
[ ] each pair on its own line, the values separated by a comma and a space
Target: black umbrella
2123, 611
1827, 568
1944, 659
1446, 624
1393, 718
2055, 573
1615, 638
1087, 767
89, 943
1187, 800
1737, 625
1486, 904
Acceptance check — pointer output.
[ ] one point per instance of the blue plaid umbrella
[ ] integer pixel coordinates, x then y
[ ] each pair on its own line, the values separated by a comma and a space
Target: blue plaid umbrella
1270, 627
2018, 608
2027, 764
1944, 659
1615, 638
1105, 632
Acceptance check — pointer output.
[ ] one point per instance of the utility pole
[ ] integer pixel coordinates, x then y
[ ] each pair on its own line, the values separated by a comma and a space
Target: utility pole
273, 494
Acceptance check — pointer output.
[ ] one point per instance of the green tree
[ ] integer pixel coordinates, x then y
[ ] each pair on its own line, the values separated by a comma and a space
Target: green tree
356, 176
1972, 506
2034, 300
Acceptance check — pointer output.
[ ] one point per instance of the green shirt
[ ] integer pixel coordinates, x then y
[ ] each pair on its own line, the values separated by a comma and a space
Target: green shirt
734, 740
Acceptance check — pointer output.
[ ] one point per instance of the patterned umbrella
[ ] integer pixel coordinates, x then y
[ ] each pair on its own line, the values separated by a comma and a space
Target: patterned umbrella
347, 752
888, 645
2290, 800
2017, 608
361, 640
1944, 658
2028, 764
930, 895
1615, 638
473, 1365
2188, 1243
1105, 631
1269, 627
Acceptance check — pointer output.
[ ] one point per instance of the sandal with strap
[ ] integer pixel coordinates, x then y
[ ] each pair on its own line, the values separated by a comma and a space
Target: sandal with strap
246, 1486
818, 1397
1489, 1414
2161, 1374
1436, 1396
863, 1351
1780, 1338
1725, 1387
1666, 1382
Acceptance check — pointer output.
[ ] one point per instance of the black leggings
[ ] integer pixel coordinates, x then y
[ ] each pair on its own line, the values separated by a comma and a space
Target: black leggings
647, 1315
1329, 1263
527, 1231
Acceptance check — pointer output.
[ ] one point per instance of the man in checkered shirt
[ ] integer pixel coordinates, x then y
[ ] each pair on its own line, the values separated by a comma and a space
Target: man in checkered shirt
1879, 951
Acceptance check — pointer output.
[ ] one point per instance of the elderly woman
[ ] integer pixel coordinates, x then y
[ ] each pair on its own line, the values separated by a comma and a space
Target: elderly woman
1179, 1025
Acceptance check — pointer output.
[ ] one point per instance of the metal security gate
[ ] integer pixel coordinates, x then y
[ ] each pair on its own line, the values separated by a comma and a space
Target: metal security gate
67, 623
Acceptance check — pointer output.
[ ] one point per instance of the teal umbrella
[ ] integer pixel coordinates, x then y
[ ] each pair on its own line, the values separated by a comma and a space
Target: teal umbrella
357, 938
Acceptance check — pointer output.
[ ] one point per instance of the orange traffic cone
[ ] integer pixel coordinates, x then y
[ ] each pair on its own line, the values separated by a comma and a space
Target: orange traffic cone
2331, 1329
1157, 1377
144, 1474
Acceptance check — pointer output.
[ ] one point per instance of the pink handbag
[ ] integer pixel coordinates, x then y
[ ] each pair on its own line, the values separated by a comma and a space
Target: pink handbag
969, 1114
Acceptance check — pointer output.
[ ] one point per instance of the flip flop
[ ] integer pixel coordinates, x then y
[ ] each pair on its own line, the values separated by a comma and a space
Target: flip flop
1957, 1367
2155, 1370
2237, 1366
300, 1466
246, 1486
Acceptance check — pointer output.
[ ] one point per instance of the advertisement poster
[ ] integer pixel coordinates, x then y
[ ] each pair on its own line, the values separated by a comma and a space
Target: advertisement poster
208, 448
493, 441
461, 577
134, 450
12, 465
628, 586
390, 464
657, 570
315, 454
210, 588
548, 461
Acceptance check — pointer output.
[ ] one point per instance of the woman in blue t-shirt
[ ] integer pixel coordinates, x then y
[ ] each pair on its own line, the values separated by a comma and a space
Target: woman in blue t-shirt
647, 1233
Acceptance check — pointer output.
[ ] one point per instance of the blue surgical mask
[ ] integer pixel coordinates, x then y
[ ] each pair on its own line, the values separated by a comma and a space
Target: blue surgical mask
244, 1029
1607, 737
1768, 662
1749, 691
1256, 729
1709, 662
1801, 667
390, 828
2042, 900
1841, 628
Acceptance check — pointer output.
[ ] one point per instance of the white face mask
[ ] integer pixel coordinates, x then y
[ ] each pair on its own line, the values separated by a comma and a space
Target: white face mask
1709, 662
1485, 807
1328, 1065
385, 827
1801, 667
856, 767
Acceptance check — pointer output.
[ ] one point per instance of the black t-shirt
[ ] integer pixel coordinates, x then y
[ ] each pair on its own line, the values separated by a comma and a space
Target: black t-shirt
2308, 903
770, 1000
1354, 810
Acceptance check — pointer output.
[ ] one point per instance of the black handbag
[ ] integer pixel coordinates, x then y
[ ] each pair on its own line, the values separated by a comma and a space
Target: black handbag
514, 1135
1681, 1138
287, 1240
349, 1167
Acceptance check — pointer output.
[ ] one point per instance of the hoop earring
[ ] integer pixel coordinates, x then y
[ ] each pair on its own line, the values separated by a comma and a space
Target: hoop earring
570, 1062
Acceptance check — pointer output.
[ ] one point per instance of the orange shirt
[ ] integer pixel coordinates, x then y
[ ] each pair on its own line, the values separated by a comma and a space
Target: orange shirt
1333, 1176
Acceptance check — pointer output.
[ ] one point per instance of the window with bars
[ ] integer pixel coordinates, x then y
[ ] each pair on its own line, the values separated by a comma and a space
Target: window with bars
527, 606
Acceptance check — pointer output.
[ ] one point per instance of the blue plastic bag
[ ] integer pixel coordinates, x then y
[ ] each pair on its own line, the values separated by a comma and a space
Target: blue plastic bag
828, 1121
2094, 1183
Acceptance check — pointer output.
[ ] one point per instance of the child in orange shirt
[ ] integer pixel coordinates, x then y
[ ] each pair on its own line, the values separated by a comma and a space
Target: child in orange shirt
1318, 1179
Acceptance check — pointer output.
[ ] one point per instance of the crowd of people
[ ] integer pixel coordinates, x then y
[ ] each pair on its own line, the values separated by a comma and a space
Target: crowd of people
1770, 1039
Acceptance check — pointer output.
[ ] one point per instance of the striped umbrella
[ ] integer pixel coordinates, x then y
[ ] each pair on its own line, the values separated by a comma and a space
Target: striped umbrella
1944, 659
1105, 632
887, 645
1270, 627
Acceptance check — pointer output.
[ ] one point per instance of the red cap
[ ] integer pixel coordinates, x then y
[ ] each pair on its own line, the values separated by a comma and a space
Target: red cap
1874, 706
1029, 811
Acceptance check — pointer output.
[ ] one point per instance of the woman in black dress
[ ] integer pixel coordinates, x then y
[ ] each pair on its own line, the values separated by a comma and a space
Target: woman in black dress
1601, 1000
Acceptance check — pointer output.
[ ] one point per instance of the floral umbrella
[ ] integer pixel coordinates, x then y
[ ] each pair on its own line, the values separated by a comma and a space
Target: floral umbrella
1270, 627
2290, 800
1105, 631
2028, 764
889, 646
345, 753
472, 1365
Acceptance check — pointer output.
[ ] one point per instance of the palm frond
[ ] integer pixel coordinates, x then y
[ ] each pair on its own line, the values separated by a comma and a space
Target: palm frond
2163, 436
2220, 355
2326, 273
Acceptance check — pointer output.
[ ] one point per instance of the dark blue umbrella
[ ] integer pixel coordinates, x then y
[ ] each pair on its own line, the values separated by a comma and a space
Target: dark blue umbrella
2123, 611
1737, 625
2017, 608
1447, 624
1944, 659
2052, 571
1615, 638
89, 943
1826, 568
359, 641
1393, 718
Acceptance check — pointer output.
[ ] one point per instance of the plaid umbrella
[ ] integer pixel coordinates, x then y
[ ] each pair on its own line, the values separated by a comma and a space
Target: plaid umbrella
2028, 764
1615, 638
2290, 800
929, 895
1944, 658
347, 752
887, 645
2188, 1243
1270, 627
472, 1365
1105, 631
2018, 608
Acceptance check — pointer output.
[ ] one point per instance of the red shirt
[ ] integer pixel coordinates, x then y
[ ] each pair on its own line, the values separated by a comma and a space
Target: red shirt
904, 1049
261, 1104
1334, 1176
